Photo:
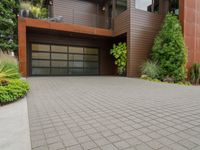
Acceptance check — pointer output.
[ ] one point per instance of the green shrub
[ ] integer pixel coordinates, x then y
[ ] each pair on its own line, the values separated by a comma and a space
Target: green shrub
8, 67
151, 69
120, 53
13, 91
37, 10
194, 74
169, 50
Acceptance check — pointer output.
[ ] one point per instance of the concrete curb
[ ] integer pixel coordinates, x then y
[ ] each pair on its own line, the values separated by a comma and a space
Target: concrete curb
14, 126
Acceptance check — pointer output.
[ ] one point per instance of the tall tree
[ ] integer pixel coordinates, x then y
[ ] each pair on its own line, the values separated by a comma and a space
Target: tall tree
8, 25
169, 50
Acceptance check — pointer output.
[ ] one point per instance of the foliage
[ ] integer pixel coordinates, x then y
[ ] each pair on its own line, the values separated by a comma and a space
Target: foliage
8, 25
145, 77
13, 91
194, 74
36, 10
120, 53
8, 67
151, 69
169, 50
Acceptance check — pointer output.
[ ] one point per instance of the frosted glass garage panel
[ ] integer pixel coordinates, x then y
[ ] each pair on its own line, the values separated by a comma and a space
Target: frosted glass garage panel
58, 71
40, 63
62, 49
40, 71
36, 55
58, 56
91, 64
91, 58
75, 64
78, 50
59, 63
74, 71
75, 57
90, 50
40, 47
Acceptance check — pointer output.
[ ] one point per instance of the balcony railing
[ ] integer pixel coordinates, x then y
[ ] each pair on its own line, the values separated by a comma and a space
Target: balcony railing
77, 17
93, 20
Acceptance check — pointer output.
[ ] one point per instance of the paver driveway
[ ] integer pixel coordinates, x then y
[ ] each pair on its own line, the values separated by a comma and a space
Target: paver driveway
111, 113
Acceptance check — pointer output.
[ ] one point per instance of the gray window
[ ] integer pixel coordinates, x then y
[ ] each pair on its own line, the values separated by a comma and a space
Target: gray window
147, 5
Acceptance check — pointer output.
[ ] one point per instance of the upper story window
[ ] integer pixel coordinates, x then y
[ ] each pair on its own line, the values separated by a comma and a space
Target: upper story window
121, 6
147, 5
174, 6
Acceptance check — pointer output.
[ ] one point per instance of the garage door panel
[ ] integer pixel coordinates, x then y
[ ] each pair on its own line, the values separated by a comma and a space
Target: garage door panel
90, 71
90, 64
58, 71
59, 56
40, 47
75, 57
40, 71
37, 55
40, 63
91, 58
64, 60
91, 51
75, 64
61, 49
76, 71
59, 63
78, 50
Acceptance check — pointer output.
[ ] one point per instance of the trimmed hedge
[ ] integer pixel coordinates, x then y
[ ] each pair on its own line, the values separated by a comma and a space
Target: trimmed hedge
14, 90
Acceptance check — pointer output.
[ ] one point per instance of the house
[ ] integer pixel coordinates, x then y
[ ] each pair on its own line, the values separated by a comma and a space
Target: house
80, 43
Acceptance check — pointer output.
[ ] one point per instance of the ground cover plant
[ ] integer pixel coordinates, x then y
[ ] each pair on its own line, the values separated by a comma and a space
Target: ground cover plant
12, 87
194, 74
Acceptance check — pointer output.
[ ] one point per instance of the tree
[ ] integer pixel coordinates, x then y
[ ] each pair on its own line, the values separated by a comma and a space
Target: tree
169, 50
8, 25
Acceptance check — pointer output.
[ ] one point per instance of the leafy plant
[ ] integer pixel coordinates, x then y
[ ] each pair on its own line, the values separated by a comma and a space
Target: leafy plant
194, 74
8, 67
8, 25
25, 5
13, 91
120, 53
151, 69
169, 50
36, 10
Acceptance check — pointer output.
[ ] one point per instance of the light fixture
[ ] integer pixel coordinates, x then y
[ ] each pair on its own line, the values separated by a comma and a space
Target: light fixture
103, 8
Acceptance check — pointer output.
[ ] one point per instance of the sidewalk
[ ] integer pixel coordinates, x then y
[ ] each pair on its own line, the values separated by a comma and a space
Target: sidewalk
14, 126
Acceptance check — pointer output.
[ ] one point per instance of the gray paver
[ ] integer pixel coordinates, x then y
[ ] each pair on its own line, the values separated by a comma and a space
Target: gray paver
112, 113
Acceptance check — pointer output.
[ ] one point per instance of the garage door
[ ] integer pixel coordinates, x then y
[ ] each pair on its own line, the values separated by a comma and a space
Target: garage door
63, 60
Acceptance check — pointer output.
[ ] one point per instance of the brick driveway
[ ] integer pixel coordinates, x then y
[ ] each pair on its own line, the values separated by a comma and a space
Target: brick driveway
111, 113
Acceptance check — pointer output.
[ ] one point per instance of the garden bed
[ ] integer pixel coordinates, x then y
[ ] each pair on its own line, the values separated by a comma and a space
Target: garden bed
12, 90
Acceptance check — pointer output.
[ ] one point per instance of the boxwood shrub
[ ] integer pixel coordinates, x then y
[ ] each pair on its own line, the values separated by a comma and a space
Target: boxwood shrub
13, 90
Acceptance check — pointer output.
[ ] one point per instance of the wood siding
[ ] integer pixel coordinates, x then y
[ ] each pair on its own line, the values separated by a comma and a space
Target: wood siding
80, 12
122, 23
143, 28
190, 18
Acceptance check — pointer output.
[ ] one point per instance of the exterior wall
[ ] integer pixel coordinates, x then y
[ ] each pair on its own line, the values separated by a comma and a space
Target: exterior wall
143, 28
122, 23
80, 12
24, 23
190, 18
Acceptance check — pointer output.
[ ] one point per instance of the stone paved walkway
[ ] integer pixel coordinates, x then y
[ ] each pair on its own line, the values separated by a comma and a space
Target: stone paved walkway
112, 113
